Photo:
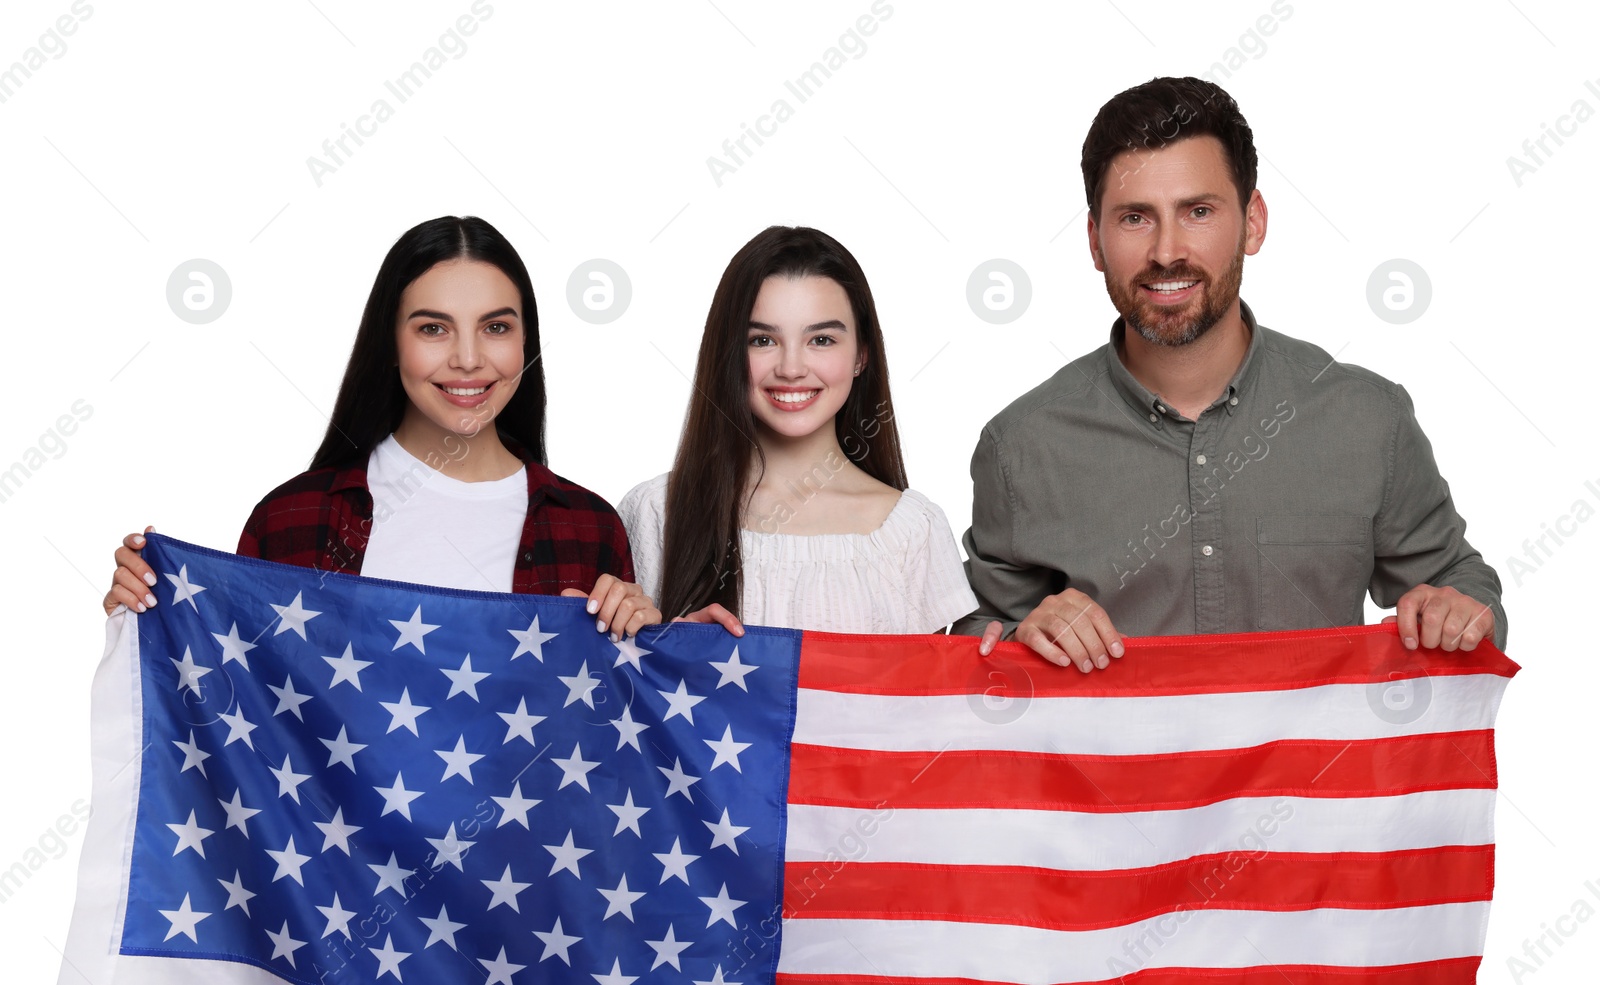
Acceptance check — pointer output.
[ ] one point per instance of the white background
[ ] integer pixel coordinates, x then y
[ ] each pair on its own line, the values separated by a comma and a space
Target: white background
582, 131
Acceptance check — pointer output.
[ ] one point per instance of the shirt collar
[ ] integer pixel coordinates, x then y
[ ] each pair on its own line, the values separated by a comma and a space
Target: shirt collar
1153, 409
542, 483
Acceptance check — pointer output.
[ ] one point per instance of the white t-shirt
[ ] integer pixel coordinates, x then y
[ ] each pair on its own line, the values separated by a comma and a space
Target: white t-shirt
904, 577
431, 529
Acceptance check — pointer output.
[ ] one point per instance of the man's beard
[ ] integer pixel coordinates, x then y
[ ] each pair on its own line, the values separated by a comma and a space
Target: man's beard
1181, 327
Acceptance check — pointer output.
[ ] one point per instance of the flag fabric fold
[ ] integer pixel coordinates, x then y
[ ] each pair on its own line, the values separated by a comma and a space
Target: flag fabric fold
312, 777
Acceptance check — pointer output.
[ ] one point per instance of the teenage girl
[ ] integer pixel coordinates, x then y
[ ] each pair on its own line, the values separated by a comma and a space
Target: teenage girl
787, 503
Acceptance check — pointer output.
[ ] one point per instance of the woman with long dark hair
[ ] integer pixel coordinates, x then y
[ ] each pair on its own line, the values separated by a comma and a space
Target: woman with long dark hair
787, 504
432, 469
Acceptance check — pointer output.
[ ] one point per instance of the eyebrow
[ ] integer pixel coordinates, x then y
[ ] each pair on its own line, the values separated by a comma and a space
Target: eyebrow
1190, 202
756, 326
442, 316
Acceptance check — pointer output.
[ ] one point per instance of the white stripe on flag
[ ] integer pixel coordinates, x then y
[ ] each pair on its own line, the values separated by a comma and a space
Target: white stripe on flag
1136, 726
1103, 842
1206, 939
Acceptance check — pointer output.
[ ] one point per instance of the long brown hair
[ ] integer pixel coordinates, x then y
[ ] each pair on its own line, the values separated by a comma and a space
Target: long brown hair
706, 493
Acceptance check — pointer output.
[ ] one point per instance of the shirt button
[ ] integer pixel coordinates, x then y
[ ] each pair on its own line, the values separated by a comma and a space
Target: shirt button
527, 556
1206, 550
1161, 408
1153, 418
1199, 459
1233, 401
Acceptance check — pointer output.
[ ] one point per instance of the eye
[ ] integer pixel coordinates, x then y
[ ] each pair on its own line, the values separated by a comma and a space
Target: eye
497, 328
431, 330
1201, 211
824, 341
1132, 219
761, 341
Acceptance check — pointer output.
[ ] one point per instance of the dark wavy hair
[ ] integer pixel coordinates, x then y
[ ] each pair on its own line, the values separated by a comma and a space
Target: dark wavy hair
707, 492
1160, 112
371, 400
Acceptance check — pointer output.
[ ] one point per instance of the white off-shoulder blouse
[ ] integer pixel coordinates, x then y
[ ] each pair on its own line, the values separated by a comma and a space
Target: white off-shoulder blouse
904, 577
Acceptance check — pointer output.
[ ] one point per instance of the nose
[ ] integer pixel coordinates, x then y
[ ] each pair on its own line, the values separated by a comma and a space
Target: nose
791, 361
1170, 245
467, 353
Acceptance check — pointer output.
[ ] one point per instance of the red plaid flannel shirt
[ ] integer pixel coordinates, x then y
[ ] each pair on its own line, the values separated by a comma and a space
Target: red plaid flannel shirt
323, 518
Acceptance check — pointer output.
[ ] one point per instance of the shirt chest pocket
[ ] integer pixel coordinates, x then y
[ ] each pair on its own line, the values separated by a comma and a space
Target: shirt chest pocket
1312, 570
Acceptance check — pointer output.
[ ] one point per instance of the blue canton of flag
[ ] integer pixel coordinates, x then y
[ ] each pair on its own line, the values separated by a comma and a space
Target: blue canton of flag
348, 779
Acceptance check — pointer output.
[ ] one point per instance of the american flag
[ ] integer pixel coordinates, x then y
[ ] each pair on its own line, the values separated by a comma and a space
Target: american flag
322, 778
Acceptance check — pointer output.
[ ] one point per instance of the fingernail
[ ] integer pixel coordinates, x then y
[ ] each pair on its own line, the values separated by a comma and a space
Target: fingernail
1411, 642
613, 637
150, 578
139, 609
1102, 662
599, 625
593, 607
1085, 666
139, 541
1116, 649
984, 648
149, 600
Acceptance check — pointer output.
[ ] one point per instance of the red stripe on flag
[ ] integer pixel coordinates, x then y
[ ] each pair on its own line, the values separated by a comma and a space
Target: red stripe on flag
1452, 971
1165, 665
832, 777
1053, 899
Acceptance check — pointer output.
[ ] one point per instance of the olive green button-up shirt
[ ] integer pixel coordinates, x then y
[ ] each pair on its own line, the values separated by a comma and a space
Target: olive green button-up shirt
1304, 486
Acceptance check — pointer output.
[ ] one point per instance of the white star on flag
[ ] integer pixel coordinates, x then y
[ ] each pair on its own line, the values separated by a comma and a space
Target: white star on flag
191, 836
293, 616
342, 750
680, 702
555, 942
234, 648
290, 862
628, 652
677, 780
724, 832
726, 749
412, 631
733, 672
238, 814
402, 713
717, 979
675, 864
238, 728
515, 807
457, 761
627, 729
338, 918
290, 700
580, 686
627, 815
284, 945
668, 949
397, 798
530, 640
388, 958
500, 970
464, 680
519, 724
189, 672
336, 833
288, 780
237, 894
722, 907
449, 849
183, 590
503, 891
441, 929
566, 856
615, 976
346, 668
183, 920
575, 769
620, 900
192, 754
391, 876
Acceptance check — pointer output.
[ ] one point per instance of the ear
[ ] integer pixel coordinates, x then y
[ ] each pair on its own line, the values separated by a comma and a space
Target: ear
1255, 223
861, 361
1094, 245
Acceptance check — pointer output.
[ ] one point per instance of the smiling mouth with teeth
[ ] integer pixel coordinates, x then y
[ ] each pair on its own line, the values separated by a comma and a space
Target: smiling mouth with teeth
1171, 286
456, 391
793, 396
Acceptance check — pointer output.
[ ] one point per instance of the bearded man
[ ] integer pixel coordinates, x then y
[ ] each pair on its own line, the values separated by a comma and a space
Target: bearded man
1201, 473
